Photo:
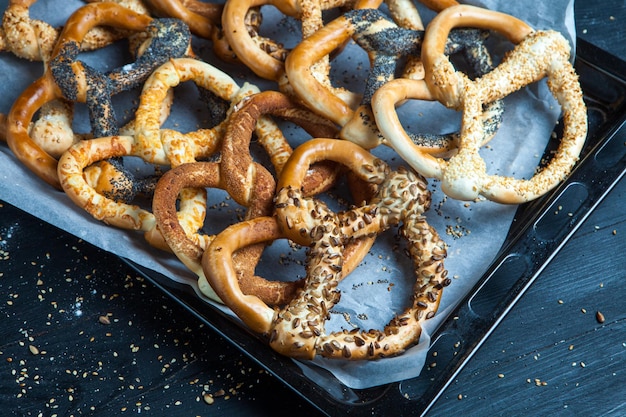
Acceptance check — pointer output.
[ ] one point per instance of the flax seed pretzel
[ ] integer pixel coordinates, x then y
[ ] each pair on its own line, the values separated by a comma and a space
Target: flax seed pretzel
386, 44
69, 79
537, 55
154, 145
297, 330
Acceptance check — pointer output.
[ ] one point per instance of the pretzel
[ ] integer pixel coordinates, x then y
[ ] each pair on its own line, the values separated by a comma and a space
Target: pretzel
247, 182
71, 80
259, 202
537, 55
34, 39
263, 56
154, 145
387, 45
297, 330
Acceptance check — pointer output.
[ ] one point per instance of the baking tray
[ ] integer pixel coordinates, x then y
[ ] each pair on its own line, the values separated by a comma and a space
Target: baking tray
538, 232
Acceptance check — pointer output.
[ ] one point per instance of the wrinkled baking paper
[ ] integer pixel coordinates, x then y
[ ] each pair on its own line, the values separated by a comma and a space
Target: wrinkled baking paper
473, 231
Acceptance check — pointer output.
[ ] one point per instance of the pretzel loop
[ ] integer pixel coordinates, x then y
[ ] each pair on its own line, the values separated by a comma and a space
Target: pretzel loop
442, 78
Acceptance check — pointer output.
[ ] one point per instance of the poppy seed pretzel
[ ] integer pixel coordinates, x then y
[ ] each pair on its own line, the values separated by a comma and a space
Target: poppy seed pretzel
154, 145
68, 79
52, 130
537, 55
297, 330
169, 38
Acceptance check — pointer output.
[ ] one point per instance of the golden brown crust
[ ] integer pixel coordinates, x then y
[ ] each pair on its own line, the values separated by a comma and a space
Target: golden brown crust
201, 17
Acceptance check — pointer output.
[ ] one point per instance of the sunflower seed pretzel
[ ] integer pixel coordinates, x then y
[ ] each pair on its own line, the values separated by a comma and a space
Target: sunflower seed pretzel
297, 330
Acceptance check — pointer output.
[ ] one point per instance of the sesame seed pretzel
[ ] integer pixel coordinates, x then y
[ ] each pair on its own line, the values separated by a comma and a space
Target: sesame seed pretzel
297, 330
34, 39
537, 55
387, 45
154, 145
66, 78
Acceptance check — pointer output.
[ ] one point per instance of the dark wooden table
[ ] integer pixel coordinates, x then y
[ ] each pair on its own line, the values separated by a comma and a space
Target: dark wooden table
82, 334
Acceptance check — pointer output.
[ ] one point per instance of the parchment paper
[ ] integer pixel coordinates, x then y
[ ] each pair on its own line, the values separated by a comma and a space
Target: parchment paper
473, 231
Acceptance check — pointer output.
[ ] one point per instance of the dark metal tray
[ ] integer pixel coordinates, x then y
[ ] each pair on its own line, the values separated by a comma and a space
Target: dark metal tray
538, 232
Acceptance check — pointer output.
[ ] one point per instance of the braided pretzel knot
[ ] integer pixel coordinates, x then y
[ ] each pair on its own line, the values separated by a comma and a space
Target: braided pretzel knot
373, 31
247, 182
154, 145
297, 330
69, 79
537, 55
